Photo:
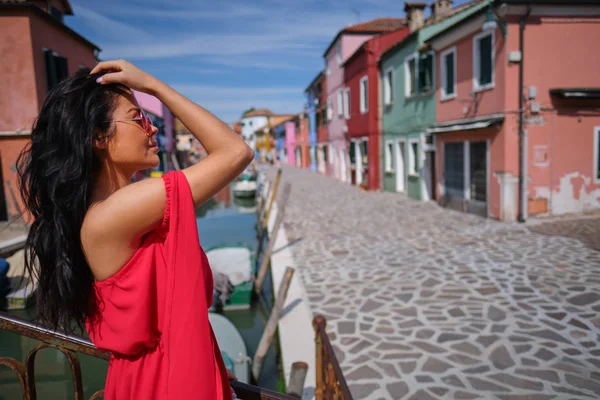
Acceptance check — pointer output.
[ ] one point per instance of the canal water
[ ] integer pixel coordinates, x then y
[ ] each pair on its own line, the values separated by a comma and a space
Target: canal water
223, 220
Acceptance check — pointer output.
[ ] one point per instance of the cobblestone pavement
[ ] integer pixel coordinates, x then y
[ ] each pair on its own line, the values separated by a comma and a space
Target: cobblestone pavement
428, 303
586, 229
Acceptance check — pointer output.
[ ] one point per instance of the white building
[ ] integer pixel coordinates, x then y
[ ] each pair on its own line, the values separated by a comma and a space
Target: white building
253, 121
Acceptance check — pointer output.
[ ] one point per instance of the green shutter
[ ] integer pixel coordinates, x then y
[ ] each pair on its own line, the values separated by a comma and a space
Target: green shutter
425, 73
485, 60
449, 64
352, 153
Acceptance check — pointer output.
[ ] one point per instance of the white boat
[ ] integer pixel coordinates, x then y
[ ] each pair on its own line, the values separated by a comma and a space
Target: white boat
244, 188
235, 264
232, 346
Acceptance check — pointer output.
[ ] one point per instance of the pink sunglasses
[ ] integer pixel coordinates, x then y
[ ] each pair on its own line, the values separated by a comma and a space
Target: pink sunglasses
144, 121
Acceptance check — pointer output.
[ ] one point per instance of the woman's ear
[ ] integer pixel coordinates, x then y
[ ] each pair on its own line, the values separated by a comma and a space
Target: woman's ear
100, 141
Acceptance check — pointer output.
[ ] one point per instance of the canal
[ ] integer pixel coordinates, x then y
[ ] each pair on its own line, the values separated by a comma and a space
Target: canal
223, 220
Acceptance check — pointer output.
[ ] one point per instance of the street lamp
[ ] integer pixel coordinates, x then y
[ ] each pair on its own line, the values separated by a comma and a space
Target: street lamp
490, 23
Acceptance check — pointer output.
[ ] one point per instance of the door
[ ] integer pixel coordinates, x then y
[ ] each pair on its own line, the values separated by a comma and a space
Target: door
454, 175
342, 156
478, 178
400, 179
358, 161
428, 175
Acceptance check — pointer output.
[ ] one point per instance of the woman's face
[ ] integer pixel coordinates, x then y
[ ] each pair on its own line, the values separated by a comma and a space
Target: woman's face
131, 148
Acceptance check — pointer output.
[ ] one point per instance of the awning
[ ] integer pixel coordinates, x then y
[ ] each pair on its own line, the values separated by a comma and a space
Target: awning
467, 124
577, 93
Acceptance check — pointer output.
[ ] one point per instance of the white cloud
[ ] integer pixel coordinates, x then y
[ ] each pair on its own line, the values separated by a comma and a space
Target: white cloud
110, 28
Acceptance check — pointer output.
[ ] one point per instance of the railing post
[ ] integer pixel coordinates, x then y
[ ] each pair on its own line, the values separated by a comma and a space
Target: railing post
320, 381
272, 200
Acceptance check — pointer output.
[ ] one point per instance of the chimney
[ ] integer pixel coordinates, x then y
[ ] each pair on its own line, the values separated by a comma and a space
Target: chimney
415, 14
440, 9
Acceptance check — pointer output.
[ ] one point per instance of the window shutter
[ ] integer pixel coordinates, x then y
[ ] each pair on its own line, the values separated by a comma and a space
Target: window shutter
485, 59
63, 68
352, 152
449, 64
50, 69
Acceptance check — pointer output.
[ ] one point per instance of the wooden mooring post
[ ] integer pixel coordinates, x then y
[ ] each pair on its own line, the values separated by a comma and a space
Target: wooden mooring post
295, 386
262, 272
269, 332
264, 222
262, 200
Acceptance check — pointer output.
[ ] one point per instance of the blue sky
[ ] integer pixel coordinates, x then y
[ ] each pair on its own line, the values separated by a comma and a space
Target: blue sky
226, 55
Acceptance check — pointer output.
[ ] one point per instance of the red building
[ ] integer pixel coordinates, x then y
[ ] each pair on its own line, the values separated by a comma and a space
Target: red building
360, 102
38, 51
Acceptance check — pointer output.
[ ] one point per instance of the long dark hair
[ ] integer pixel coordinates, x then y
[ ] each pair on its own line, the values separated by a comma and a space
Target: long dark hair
56, 172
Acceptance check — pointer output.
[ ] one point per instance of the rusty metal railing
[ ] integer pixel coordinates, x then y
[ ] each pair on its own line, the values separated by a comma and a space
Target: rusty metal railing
70, 345
331, 384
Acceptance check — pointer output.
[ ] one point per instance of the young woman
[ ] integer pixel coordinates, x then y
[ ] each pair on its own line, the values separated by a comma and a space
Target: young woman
124, 257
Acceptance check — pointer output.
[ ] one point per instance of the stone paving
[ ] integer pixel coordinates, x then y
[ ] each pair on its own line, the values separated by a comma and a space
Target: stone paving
428, 303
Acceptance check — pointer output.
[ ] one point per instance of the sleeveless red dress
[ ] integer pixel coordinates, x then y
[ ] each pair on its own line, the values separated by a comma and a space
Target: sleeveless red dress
153, 313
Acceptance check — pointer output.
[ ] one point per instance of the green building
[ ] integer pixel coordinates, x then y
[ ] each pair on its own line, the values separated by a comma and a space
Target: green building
407, 72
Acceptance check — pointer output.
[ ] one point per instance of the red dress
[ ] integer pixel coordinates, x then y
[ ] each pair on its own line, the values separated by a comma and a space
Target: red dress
153, 313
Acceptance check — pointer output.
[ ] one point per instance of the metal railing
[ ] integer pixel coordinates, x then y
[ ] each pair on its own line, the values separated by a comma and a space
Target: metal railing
331, 384
70, 345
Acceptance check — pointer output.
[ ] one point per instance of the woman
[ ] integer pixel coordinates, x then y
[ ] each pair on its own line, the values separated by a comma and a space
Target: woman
125, 257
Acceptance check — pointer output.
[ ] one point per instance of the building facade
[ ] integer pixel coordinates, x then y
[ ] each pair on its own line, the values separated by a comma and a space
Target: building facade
361, 108
39, 50
481, 111
407, 73
316, 106
341, 48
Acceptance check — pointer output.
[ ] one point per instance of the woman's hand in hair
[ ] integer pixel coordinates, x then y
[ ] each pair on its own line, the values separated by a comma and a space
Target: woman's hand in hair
125, 73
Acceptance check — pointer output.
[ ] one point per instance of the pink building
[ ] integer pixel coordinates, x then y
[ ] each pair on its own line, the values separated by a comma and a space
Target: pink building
479, 63
38, 50
290, 142
347, 41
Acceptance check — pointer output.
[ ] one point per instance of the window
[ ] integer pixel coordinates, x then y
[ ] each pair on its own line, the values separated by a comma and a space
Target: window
364, 152
413, 157
250, 123
56, 68
448, 67
329, 109
597, 154
411, 70
319, 89
425, 69
388, 86
389, 158
483, 61
352, 153
364, 100
340, 102
318, 119
347, 103
338, 52
324, 116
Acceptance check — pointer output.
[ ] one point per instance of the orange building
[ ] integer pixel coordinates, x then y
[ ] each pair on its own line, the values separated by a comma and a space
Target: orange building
38, 51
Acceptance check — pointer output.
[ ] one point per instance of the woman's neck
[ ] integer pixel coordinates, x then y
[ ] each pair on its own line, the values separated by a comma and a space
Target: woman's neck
108, 181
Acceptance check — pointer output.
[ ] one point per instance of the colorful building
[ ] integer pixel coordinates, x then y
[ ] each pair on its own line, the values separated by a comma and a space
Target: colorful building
316, 106
302, 140
316, 94
518, 123
38, 51
361, 108
346, 42
407, 73
255, 120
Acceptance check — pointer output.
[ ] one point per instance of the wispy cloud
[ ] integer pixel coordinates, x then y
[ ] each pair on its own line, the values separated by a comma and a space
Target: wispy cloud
110, 28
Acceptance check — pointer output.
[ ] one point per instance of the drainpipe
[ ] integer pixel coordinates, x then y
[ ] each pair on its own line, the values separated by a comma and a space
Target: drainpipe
522, 177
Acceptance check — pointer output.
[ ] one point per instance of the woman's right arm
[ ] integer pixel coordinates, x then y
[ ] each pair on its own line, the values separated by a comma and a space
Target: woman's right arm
228, 154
